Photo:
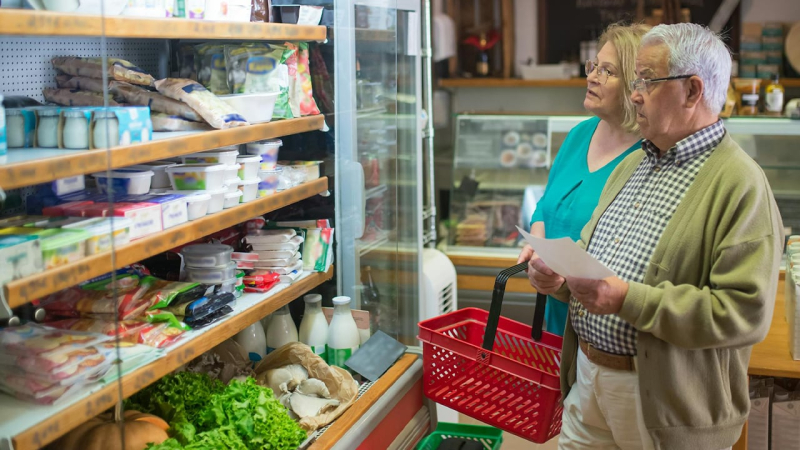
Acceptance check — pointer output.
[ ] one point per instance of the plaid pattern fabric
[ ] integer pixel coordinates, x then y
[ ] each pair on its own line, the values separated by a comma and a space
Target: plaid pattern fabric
630, 228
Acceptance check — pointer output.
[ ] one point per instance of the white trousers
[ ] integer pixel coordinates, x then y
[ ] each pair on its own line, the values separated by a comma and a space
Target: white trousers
603, 411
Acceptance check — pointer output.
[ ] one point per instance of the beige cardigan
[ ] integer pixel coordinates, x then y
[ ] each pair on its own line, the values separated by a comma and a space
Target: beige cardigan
706, 299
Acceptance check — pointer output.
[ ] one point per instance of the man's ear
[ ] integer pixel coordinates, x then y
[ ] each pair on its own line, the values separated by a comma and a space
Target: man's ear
694, 92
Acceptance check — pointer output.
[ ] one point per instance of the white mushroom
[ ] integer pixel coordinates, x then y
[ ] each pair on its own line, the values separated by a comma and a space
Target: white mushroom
305, 406
313, 388
298, 373
278, 380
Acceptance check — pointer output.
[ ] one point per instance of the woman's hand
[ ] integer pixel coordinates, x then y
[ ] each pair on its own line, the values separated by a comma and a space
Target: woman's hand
526, 254
541, 277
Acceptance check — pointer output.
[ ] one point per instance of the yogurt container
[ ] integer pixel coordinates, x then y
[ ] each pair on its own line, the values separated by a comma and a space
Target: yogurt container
249, 190
207, 255
103, 232
232, 199
310, 168
64, 247
159, 168
226, 155
268, 183
215, 202
197, 205
197, 176
248, 167
212, 275
231, 171
267, 150
232, 184
124, 181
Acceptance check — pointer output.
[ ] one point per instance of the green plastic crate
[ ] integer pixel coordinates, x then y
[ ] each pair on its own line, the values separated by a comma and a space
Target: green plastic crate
490, 437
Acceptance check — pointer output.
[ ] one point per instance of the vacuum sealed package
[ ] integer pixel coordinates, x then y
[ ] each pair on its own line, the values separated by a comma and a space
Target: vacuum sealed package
76, 302
85, 84
261, 11
301, 97
217, 113
130, 331
136, 95
117, 69
318, 249
33, 339
165, 122
67, 97
252, 67
211, 69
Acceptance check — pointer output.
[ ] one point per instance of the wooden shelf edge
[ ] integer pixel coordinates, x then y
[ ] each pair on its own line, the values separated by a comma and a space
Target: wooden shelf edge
43, 170
510, 83
47, 23
20, 292
343, 424
59, 424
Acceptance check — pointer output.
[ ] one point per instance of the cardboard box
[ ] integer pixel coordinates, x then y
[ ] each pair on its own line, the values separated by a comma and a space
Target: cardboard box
20, 256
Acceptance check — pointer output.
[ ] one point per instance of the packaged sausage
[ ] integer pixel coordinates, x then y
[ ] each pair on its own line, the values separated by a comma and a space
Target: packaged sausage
67, 97
136, 95
117, 69
86, 84
217, 113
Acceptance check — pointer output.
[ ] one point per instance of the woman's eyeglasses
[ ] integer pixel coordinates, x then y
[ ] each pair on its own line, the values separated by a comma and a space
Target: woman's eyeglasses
642, 85
602, 72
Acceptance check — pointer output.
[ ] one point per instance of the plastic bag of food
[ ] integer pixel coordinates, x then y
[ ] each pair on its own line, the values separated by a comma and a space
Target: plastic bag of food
301, 97
33, 339
223, 362
86, 84
77, 302
157, 102
33, 390
117, 69
252, 68
280, 82
211, 71
67, 97
261, 11
187, 67
217, 113
126, 330
165, 122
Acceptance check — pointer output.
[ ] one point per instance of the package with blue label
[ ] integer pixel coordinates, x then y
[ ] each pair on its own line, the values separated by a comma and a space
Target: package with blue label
20, 256
63, 186
174, 209
85, 128
20, 127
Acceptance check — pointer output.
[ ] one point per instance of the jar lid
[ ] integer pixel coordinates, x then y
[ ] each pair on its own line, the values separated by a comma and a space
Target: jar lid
47, 112
341, 300
105, 115
312, 298
13, 112
75, 114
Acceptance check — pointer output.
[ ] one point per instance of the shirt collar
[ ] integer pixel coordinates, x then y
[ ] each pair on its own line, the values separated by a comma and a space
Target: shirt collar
690, 146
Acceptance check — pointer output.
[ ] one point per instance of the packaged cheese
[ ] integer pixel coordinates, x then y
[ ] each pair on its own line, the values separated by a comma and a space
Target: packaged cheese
217, 113
157, 102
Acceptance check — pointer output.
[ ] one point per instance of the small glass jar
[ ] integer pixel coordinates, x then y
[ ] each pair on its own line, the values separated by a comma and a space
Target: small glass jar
106, 130
76, 130
47, 128
15, 128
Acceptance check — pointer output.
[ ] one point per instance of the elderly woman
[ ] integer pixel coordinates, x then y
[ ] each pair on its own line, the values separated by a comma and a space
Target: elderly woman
591, 150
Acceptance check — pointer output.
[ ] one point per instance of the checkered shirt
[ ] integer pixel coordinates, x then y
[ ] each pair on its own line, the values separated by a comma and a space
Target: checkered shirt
631, 226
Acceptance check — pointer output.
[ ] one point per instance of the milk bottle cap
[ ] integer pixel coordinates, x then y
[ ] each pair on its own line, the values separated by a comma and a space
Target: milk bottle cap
312, 298
341, 300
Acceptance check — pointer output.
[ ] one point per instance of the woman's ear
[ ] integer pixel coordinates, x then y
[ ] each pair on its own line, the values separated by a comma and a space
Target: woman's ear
694, 93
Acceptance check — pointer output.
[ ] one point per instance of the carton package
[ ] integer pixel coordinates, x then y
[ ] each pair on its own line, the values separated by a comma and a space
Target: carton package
133, 124
20, 256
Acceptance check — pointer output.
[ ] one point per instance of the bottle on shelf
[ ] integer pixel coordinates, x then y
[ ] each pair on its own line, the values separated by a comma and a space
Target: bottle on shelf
371, 300
3, 146
773, 97
314, 326
253, 342
343, 337
281, 330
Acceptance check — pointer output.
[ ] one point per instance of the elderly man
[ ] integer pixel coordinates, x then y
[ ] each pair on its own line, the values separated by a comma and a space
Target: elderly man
657, 356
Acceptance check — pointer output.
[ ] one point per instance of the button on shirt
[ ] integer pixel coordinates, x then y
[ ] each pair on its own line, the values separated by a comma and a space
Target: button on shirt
630, 228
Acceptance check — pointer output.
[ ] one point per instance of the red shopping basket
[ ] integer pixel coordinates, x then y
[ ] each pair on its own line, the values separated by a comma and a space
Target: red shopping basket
493, 369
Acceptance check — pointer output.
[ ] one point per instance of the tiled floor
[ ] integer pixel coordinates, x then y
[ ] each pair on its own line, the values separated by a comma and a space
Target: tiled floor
511, 442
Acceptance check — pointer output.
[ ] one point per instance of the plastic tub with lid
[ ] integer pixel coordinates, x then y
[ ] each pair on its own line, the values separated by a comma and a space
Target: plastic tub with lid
160, 178
267, 150
105, 231
311, 168
197, 205
248, 167
232, 199
186, 177
207, 255
255, 108
268, 183
231, 171
211, 275
249, 189
63, 247
124, 181
226, 155
216, 201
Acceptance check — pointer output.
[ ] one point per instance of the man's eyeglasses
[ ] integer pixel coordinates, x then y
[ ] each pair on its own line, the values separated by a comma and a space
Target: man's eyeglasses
602, 72
642, 85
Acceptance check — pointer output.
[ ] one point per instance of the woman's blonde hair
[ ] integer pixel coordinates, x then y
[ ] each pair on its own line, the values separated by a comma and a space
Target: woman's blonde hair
626, 39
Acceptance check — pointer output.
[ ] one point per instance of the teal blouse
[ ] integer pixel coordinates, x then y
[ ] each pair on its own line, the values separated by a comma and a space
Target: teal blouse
569, 199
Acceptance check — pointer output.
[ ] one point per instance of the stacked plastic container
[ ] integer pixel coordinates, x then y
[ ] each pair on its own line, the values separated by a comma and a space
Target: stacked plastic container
268, 173
212, 264
792, 294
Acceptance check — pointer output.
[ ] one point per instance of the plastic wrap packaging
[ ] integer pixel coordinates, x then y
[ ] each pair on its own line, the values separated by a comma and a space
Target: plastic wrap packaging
130, 331
301, 97
224, 362
67, 97
117, 69
211, 68
76, 302
186, 57
261, 11
157, 102
213, 110
252, 68
86, 84
165, 122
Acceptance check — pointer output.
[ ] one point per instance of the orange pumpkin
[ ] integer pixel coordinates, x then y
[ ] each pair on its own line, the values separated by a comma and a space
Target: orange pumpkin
103, 433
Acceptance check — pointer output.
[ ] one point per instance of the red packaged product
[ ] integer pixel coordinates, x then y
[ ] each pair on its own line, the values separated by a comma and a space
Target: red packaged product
76, 302
128, 330
241, 256
261, 278
61, 210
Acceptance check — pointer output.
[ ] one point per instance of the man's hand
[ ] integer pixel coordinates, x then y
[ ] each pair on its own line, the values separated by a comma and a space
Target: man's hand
599, 296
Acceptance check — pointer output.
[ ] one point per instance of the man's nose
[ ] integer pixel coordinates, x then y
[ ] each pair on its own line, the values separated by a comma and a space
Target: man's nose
636, 97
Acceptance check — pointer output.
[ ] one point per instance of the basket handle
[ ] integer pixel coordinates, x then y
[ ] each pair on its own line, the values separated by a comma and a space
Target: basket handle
497, 304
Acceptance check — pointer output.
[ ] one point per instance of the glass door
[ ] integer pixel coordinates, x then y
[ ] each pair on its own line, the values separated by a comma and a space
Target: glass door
379, 169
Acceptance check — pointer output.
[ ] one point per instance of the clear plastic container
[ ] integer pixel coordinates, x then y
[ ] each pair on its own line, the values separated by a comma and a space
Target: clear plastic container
103, 232
212, 275
63, 247
198, 205
310, 168
229, 286
249, 190
197, 176
248, 167
124, 181
47, 128
207, 255
232, 199
267, 150
159, 168
225, 156
269, 182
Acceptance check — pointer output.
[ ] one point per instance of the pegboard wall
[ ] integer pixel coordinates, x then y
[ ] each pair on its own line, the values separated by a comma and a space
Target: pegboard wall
25, 67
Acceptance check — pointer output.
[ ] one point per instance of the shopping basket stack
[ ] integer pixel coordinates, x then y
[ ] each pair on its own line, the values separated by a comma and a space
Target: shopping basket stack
493, 369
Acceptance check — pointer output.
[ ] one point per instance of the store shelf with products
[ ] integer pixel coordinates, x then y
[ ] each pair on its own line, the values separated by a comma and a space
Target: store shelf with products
558, 83
27, 167
24, 290
32, 426
46, 23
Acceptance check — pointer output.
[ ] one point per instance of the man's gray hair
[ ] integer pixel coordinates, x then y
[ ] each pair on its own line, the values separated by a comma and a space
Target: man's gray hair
696, 50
